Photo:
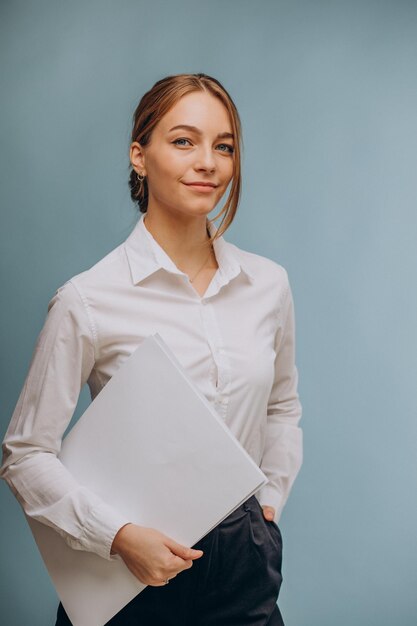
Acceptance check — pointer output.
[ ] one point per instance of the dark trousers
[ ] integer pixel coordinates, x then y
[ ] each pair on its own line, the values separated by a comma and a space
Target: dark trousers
235, 583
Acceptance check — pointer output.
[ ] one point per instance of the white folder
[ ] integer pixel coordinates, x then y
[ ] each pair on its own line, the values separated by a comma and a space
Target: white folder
151, 445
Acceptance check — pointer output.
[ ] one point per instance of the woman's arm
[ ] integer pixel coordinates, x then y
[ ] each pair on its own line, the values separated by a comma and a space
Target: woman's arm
283, 451
61, 363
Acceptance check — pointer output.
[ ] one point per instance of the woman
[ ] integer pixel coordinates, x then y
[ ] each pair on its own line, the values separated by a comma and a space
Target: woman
226, 313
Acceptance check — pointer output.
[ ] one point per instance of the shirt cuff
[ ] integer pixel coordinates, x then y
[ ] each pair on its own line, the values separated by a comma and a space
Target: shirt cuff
99, 530
269, 495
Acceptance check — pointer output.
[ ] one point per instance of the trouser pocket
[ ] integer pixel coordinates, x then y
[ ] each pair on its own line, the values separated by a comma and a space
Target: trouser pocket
270, 525
266, 542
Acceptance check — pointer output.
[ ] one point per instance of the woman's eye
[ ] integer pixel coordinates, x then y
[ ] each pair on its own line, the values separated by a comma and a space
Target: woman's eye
180, 139
228, 147
231, 149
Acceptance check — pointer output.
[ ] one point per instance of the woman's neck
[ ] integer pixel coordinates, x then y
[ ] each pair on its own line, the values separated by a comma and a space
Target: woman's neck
182, 238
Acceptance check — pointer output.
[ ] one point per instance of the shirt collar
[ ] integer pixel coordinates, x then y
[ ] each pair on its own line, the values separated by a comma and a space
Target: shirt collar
146, 256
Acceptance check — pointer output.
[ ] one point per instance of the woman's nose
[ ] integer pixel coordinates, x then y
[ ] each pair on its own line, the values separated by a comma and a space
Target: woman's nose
205, 159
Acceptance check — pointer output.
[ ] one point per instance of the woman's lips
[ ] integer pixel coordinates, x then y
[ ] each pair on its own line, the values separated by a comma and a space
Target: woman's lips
201, 188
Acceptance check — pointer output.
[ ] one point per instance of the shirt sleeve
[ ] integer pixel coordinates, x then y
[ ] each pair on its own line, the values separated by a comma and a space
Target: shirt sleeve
62, 360
283, 451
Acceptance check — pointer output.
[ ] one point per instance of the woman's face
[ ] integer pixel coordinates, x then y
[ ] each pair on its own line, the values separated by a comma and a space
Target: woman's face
175, 158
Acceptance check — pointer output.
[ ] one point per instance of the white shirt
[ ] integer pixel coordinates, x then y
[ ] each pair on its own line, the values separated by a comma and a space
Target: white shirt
236, 343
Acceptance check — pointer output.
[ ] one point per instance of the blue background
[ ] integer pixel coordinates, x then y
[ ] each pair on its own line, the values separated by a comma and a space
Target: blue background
327, 93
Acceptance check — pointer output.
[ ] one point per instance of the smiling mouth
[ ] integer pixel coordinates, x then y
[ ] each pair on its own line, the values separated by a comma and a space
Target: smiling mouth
202, 184
200, 187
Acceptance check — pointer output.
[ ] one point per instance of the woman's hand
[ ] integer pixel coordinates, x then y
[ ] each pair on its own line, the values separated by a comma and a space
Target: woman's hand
269, 512
150, 555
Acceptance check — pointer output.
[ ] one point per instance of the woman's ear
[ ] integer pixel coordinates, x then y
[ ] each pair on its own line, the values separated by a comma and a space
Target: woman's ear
137, 158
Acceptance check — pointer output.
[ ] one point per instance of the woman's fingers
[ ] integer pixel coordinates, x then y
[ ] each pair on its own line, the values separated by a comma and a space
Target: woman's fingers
182, 551
152, 556
269, 512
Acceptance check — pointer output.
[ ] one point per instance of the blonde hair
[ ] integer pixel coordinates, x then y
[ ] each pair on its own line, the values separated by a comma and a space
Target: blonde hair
155, 103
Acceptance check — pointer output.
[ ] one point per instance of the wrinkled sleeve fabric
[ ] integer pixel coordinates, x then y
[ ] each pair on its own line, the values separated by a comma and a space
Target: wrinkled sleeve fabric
62, 360
283, 451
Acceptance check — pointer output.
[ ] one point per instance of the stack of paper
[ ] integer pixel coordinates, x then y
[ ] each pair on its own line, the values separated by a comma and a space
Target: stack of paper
151, 445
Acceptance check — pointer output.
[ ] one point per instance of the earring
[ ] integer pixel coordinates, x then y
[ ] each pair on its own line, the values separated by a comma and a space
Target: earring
140, 178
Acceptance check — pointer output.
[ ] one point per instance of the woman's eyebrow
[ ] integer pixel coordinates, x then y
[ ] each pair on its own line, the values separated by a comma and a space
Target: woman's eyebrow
199, 132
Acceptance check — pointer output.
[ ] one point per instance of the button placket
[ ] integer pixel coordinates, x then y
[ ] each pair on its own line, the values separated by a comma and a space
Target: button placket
214, 373
219, 355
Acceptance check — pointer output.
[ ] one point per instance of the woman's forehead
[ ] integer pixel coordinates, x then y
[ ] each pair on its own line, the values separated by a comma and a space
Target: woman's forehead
204, 112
